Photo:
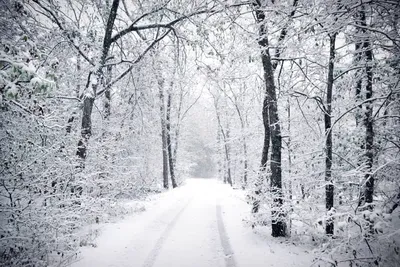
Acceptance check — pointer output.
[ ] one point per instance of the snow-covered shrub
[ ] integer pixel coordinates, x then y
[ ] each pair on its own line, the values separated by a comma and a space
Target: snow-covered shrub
45, 198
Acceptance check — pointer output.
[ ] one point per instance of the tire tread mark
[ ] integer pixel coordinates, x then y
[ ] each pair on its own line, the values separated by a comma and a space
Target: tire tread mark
151, 258
226, 246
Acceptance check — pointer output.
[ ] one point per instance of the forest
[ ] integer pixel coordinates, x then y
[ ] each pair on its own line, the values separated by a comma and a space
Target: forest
295, 103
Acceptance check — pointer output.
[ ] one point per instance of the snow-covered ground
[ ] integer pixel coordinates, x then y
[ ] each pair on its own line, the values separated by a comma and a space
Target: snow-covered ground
199, 224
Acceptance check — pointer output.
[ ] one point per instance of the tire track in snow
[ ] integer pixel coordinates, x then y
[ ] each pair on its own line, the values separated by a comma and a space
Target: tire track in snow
226, 246
151, 258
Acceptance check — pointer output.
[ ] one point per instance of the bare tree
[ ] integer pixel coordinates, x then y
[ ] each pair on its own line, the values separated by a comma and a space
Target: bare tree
329, 194
272, 130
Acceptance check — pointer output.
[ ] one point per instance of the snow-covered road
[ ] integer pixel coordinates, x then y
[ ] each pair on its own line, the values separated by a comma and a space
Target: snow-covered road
197, 225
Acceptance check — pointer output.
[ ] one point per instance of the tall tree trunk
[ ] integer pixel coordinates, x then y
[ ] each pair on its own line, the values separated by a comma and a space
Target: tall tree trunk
278, 224
78, 72
90, 95
369, 128
268, 71
163, 133
358, 57
270, 104
366, 197
107, 113
86, 127
169, 143
329, 189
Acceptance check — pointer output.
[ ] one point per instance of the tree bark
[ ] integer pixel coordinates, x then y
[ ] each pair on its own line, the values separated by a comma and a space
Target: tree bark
358, 57
329, 189
263, 42
267, 134
89, 97
366, 55
86, 127
369, 127
169, 143
272, 128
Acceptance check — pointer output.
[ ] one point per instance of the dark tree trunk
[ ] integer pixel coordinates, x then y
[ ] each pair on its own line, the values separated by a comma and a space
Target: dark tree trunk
266, 59
329, 189
89, 97
267, 134
366, 56
278, 224
270, 104
86, 128
169, 143
369, 129
358, 57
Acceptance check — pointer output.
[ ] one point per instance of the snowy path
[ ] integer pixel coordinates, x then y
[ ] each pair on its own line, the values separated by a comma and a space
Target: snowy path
197, 225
